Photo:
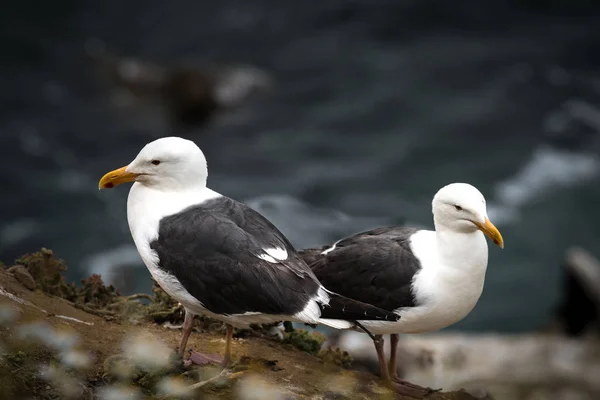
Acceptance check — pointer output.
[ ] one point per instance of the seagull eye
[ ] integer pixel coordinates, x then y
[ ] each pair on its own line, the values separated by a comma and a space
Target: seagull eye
458, 208
155, 162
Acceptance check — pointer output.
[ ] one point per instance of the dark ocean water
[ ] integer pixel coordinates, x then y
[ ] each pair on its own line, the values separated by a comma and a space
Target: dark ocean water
376, 106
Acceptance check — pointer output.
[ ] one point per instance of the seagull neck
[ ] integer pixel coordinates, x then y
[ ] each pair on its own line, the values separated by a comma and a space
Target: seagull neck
146, 205
169, 185
197, 193
154, 200
462, 249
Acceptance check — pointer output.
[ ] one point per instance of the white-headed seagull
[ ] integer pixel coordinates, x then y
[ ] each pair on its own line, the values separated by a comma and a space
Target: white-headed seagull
216, 256
432, 279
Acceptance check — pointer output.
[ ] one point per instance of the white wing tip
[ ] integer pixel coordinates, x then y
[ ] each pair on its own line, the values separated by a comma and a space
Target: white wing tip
324, 253
336, 323
274, 255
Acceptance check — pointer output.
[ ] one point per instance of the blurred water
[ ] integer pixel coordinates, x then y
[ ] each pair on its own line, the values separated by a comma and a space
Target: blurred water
374, 109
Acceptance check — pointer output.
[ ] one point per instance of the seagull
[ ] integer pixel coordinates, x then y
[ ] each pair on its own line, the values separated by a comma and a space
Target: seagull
215, 255
432, 279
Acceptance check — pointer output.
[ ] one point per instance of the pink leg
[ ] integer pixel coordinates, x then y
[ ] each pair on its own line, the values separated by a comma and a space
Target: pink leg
227, 359
393, 366
188, 324
195, 357
400, 388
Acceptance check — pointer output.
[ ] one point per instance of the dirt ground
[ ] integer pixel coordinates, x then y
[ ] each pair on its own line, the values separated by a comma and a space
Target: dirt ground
267, 368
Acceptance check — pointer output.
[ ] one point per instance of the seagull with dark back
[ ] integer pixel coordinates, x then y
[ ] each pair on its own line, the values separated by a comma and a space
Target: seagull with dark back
218, 257
432, 279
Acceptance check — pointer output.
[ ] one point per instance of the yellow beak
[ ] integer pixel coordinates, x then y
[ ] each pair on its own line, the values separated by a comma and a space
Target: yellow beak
491, 231
116, 177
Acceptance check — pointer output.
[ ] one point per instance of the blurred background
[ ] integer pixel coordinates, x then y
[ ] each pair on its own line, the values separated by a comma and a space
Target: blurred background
328, 117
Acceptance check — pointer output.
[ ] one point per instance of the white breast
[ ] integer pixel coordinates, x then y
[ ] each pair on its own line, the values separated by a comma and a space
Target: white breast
145, 208
445, 289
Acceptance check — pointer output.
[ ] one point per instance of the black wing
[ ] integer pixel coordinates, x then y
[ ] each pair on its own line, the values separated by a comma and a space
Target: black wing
375, 267
213, 249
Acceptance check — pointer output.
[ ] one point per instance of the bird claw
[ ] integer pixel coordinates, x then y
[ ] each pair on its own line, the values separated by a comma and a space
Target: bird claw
406, 388
414, 385
204, 359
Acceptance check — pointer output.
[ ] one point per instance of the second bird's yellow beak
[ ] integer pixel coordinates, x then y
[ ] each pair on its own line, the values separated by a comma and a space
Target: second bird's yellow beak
491, 231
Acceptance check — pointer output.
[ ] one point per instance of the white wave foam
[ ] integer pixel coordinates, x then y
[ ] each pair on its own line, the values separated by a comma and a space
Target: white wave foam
502, 215
548, 169
74, 181
108, 262
584, 112
308, 226
32, 142
16, 231
235, 85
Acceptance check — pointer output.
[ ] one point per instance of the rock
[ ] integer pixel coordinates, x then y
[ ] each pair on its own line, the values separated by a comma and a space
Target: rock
23, 276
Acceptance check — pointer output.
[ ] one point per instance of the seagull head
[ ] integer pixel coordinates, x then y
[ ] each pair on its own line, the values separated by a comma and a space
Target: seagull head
169, 163
460, 207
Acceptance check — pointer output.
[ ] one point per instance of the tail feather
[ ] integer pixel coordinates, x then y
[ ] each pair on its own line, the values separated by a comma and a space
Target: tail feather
344, 308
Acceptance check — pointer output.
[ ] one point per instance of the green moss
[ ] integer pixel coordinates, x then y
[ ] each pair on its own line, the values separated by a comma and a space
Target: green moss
304, 340
336, 356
